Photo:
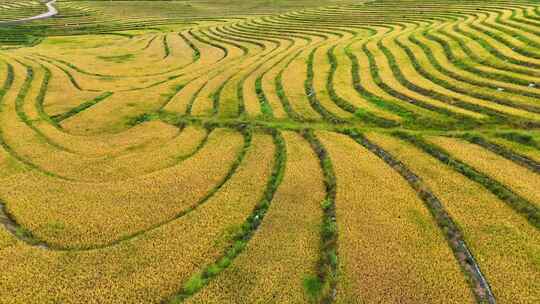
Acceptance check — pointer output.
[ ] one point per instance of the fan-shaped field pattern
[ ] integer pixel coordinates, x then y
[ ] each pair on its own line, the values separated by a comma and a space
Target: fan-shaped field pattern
329, 151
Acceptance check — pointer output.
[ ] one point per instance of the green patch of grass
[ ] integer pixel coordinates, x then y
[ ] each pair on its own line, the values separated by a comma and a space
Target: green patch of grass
195, 283
139, 119
522, 138
313, 288
23, 233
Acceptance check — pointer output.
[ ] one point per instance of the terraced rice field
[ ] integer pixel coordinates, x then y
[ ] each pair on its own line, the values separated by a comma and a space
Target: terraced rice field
328, 151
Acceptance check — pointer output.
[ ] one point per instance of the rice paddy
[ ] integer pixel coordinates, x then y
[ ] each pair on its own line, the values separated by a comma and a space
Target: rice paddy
328, 151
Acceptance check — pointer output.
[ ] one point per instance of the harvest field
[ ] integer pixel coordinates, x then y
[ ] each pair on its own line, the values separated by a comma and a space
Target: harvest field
270, 151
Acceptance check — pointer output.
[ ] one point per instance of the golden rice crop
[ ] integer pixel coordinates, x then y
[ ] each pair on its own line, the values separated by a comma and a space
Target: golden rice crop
145, 136
61, 94
6, 239
530, 152
180, 52
150, 267
285, 249
56, 151
231, 77
209, 54
133, 160
152, 135
369, 83
211, 59
476, 47
391, 80
102, 80
479, 50
203, 104
182, 100
388, 240
3, 69
251, 98
243, 81
517, 178
79, 214
419, 80
204, 101
343, 83
501, 47
504, 243
322, 68
165, 152
113, 55
293, 86
269, 87
9, 165
116, 112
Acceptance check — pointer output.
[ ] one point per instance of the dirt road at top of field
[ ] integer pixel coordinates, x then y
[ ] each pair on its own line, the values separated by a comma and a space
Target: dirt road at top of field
51, 12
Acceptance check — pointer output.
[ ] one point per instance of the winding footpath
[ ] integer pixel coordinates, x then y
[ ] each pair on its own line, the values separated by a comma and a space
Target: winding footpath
51, 12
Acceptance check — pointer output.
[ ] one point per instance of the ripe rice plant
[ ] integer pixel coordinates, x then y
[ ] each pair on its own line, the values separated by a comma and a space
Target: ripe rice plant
322, 151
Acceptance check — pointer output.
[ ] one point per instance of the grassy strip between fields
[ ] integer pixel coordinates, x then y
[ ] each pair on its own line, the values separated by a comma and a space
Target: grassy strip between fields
280, 90
25, 235
449, 228
520, 138
19, 100
6, 218
40, 99
166, 47
363, 114
517, 158
455, 88
83, 106
516, 202
322, 289
197, 281
392, 107
312, 96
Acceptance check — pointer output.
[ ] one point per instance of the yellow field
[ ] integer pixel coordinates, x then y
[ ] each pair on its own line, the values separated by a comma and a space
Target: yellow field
284, 251
504, 244
321, 151
388, 239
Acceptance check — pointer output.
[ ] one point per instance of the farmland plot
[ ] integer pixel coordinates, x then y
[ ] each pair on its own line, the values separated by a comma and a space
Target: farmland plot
328, 151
